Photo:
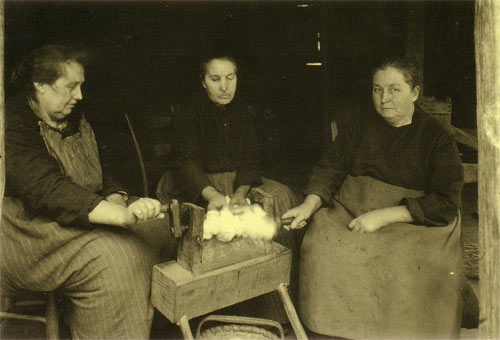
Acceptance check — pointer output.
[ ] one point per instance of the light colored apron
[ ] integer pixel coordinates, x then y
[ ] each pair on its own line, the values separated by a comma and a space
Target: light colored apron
32, 246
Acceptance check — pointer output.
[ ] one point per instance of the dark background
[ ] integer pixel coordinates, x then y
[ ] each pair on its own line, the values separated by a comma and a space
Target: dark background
145, 61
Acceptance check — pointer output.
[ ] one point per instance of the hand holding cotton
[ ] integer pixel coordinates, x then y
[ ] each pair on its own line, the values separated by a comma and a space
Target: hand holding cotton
253, 223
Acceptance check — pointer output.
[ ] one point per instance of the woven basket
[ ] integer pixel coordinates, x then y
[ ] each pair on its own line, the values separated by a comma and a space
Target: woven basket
237, 332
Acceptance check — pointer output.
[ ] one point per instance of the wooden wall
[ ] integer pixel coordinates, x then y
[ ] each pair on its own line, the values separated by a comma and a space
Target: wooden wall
487, 37
2, 106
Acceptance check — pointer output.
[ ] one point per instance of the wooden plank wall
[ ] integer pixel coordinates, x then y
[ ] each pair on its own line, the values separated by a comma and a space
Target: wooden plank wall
2, 108
415, 23
487, 43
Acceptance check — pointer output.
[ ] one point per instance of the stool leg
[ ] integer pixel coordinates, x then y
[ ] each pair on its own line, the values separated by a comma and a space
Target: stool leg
292, 313
52, 317
186, 330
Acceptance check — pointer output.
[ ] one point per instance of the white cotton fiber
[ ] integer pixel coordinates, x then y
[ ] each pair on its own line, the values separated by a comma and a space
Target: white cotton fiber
253, 223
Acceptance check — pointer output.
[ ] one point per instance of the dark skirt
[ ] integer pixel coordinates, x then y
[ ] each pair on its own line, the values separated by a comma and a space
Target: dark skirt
402, 281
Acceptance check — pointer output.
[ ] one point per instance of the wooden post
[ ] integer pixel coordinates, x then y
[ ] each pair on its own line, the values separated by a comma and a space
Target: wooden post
2, 108
415, 32
487, 38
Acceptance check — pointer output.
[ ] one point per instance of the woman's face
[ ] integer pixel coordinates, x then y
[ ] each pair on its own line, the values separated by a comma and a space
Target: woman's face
57, 100
220, 81
394, 98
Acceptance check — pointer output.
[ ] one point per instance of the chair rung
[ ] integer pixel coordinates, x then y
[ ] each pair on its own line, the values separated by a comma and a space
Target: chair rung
30, 303
5, 315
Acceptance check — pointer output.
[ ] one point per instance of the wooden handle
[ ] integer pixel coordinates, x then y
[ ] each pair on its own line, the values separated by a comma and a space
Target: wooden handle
286, 221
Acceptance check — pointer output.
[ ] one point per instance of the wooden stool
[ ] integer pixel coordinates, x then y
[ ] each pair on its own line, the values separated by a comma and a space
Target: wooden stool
51, 318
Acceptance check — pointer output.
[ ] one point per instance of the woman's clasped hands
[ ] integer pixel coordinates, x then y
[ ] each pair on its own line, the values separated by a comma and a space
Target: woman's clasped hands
115, 211
145, 209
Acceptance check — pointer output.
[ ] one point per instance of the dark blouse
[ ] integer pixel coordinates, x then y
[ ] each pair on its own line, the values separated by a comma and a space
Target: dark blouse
208, 138
419, 156
33, 176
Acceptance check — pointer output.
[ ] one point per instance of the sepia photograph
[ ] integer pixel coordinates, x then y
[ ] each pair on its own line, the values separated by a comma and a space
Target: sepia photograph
227, 170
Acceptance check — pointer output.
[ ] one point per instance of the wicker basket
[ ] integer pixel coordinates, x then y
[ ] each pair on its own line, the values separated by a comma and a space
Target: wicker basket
240, 332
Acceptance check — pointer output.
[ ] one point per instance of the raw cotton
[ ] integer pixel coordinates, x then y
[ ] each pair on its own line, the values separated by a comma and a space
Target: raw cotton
253, 223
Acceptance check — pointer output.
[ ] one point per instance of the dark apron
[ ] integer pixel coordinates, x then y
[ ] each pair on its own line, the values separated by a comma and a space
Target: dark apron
402, 281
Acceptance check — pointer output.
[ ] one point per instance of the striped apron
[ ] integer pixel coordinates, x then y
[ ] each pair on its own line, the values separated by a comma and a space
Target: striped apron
104, 272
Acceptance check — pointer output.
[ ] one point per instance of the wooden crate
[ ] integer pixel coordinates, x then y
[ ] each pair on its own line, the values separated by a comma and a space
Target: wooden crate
217, 254
178, 292
200, 256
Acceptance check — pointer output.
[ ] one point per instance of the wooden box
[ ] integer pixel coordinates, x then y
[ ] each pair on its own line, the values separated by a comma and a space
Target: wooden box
200, 256
178, 292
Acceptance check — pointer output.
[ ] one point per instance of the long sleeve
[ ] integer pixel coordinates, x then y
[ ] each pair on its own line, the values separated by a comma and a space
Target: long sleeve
34, 176
250, 170
329, 173
188, 171
211, 139
443, 185
110, 185
420, 156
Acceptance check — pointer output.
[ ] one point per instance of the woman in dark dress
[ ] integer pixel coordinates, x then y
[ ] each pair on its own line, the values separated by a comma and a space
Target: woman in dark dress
216, 153
384, 259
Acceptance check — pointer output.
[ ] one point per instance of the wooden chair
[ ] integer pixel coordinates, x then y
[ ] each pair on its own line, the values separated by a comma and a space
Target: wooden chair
51, 318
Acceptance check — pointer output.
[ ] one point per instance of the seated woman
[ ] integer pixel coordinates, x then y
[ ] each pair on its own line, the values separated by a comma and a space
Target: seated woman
384, 260
64, 225
215, 149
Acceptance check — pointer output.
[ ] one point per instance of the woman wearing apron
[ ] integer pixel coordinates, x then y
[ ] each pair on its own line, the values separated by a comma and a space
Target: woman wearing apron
384, 259
64, 225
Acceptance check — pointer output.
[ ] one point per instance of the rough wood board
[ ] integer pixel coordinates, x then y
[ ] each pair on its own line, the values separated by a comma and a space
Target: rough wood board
465, 138
177, 292
216, 254
470, 172
2, 106
486, 37
189, 248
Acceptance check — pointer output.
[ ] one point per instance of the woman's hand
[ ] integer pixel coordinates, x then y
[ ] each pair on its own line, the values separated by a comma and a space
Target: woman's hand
114, 214
214, 198
145, 209
117, 198
303, 212
216, 202
376, 219
239, 198
238, 201
367, 222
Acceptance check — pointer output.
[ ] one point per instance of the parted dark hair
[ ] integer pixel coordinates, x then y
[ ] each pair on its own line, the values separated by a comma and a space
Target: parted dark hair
405, 66
207, 58
43, 65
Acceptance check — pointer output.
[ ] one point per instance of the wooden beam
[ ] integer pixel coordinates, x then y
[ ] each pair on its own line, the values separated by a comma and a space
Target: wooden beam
2, 107
487, 38
415, 27
470, 172
465, 138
